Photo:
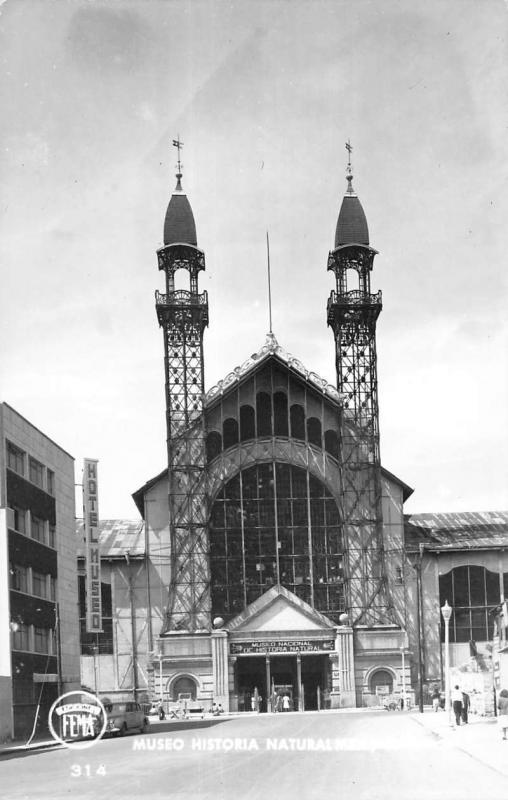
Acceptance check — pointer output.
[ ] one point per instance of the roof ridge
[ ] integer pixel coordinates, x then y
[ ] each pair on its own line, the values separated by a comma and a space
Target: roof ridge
272, 347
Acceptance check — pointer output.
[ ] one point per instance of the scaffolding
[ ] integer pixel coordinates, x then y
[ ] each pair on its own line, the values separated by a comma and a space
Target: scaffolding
352, 315
183, 315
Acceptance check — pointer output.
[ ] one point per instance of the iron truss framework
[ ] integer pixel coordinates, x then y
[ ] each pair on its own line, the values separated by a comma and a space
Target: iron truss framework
183, 315
352, 315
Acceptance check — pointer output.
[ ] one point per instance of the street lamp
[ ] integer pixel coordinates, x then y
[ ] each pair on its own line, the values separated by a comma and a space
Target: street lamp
446, 611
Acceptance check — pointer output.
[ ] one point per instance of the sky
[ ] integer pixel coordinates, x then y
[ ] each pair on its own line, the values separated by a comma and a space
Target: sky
264, 96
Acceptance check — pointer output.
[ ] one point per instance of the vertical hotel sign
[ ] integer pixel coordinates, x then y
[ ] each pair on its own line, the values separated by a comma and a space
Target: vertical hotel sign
93, 556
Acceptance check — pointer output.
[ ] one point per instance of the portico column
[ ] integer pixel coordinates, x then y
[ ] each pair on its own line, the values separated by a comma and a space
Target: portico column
220, 668
299, 680
268, 684
346, 676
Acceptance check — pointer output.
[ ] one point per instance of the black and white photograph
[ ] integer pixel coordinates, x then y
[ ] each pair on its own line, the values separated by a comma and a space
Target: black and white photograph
254, 399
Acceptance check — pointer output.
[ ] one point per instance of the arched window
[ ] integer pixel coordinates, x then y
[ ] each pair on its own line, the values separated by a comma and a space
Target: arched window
247, 423
280, 413
381, 682
314, 431
264, 414
184, 686
213, 445
297, 415
182, 280
332, 443
352, 277
230, 429
256, 542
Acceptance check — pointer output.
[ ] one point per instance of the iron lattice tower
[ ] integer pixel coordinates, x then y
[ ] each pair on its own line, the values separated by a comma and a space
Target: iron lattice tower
183, 316
352, 315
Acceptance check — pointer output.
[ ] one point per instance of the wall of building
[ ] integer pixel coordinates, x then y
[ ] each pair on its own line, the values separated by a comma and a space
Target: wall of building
123, 673
53, 504
5, 635
393, 536
158, 553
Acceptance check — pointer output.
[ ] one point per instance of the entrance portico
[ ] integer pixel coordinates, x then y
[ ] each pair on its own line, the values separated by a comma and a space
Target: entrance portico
281, 647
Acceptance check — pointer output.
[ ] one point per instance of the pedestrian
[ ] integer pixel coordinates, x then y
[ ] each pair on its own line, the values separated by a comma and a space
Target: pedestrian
161, 711
285, 703
436, 699
457, 703
502, 707
465, 707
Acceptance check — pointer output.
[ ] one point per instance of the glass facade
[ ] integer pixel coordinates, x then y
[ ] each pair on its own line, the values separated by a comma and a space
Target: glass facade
275, 523
473, 592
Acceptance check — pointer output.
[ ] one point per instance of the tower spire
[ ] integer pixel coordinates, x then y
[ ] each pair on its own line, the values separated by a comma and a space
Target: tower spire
353, 310
183, 316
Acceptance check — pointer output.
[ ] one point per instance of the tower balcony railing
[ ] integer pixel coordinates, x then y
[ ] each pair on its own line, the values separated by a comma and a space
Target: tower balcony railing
355, 298
181, 297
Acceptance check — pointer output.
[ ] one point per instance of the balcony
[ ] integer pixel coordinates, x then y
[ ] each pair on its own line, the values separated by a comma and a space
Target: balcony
181, 298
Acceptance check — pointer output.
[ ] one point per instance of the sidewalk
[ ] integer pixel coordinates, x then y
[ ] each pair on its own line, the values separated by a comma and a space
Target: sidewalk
480, 738
20, 746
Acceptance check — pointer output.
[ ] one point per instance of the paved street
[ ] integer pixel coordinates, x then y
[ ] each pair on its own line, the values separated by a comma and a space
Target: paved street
356, 756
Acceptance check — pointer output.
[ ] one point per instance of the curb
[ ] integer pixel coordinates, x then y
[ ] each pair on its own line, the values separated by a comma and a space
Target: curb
24, 748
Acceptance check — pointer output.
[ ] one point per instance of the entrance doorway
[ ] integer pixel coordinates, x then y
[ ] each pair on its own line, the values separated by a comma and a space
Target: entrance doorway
251, 675
251, 683
284, 677
314, 680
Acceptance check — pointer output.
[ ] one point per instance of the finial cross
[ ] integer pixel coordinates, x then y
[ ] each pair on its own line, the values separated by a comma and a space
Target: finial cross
178, 144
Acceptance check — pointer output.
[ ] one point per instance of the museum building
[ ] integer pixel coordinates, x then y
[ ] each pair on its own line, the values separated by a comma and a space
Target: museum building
281, 570
273, 556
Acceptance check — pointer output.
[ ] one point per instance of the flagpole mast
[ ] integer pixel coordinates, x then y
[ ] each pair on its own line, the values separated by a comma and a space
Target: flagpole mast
269, 282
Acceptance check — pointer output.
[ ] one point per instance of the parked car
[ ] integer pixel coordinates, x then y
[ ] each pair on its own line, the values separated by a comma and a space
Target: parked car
124, 717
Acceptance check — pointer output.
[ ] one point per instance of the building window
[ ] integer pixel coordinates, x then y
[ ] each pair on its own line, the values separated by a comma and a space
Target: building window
264, 414
15, 458
275, 524
297, 417
52, 536
21, 637
280, 414
473, 592
230, 430
50, 478
184, 688
41, 640
19, 519
213, 445
36, 472
52, 589
247, 423
381, 682
38, 529
39, 584
19, 578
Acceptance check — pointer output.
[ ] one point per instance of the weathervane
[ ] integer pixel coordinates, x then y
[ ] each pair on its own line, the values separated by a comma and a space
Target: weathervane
178, 144
349, 169
349, 148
